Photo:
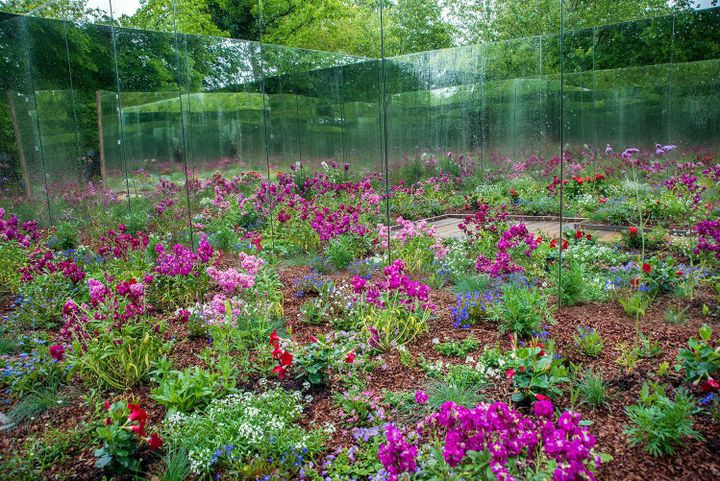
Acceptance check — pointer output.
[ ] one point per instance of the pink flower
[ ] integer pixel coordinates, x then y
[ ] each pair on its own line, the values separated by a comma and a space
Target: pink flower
421, 397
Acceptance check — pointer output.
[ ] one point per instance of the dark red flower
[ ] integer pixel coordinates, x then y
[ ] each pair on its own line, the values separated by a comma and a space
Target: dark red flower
646, 268
286, 359
154, 441
280, 370
57, 352
579, 234
710, 385
137, 414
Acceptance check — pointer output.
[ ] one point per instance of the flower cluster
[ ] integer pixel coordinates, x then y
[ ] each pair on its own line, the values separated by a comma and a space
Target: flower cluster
10, 229
410, 230
510, 240
397, 455
181, 261
484, 221
508, 436
686, 185
232, 279
118, 243
396, 284
470, 307
708, 237
283, 357
41, 261
119, 307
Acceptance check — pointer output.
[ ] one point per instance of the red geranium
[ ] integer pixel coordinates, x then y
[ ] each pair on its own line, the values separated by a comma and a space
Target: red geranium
710, 385
154, 441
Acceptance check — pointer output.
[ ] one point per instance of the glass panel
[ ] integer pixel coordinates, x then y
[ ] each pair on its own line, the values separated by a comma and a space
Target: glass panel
22, 179
154, 145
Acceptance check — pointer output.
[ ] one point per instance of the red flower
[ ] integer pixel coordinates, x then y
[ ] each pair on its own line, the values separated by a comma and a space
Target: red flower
274, 338
603, 200
588, 237
564, 244
579, 234
646, 268
679, 273
286, 359
137, 414
277, 352
635, 282
107, 404
541, 397
553, 243
510, 373
633, 231
313, 339
139, 430
57, 352
539, 239
710, 385
154, 441
350, 357
280, 370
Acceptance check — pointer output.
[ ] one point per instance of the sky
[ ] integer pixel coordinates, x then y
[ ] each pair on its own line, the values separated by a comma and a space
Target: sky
120, 7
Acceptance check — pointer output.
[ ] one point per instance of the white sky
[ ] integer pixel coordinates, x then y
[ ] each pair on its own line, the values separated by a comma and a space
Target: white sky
120, 7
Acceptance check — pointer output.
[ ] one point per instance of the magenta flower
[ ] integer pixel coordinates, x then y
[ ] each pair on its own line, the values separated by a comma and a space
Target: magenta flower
57, 352
421, 397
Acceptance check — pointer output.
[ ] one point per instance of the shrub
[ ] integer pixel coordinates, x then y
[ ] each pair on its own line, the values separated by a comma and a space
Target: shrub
191, 389
700, 360
589, 341
659, 423
119, 435
394, 311
535, 371
245, 434
457, 349
593, 389
521, 309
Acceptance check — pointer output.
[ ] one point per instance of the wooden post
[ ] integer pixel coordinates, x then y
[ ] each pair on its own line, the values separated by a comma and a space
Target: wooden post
101, 141
18, 141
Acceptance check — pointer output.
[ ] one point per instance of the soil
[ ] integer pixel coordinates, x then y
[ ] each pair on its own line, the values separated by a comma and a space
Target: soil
695, 460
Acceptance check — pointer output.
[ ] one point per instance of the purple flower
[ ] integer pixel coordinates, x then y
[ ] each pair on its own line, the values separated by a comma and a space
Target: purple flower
421, 397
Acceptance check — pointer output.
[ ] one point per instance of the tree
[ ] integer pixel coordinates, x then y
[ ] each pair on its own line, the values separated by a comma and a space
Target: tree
190, 16
416, 26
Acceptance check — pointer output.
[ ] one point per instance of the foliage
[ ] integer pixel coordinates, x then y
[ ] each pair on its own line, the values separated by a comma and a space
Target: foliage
242, 430
658, 422
457, 349
593, 389
535, 371
193, 388
119, 435
521, 309
700, 361
589, 341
